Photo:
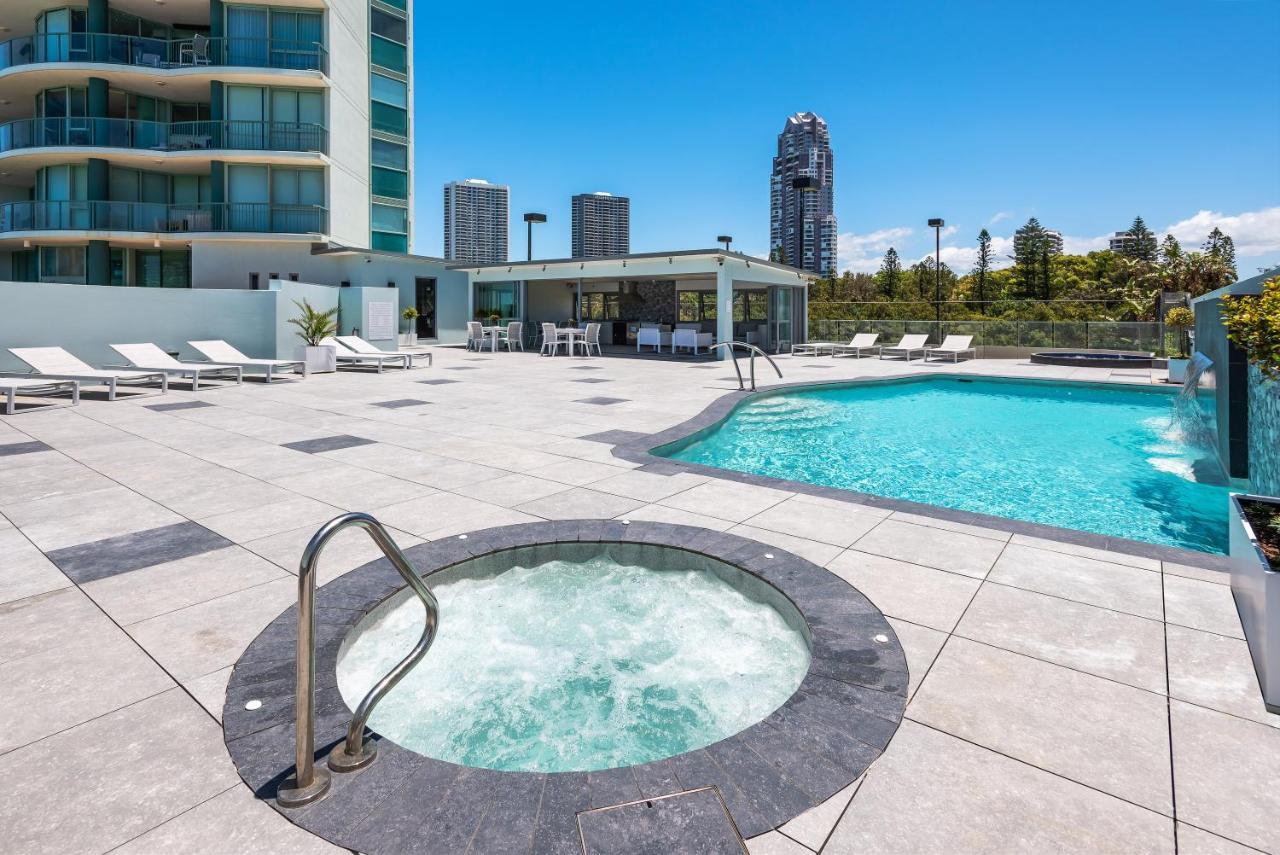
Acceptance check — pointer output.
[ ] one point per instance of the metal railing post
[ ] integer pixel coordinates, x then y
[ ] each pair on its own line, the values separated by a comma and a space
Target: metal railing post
355, 752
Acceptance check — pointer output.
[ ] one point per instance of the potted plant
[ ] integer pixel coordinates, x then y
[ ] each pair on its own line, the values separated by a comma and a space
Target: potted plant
1179, 319
1255, 585
1253, 324
314, 327
410, 335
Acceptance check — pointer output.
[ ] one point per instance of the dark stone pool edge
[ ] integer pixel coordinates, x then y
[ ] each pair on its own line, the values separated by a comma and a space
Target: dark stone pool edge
840, 719
637, 448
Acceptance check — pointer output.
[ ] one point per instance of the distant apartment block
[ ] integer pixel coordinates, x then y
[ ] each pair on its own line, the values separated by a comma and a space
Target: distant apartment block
1121, 242
601, 225
802, 219
475, 221
1052, 237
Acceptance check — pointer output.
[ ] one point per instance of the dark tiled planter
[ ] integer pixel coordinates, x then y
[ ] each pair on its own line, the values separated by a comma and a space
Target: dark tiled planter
837, 722
1256, 589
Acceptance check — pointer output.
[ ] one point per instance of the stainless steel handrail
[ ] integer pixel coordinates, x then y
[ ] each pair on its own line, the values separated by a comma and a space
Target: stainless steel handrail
754, 350
355, 752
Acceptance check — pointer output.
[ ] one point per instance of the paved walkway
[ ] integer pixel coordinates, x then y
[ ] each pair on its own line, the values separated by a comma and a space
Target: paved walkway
1062, 698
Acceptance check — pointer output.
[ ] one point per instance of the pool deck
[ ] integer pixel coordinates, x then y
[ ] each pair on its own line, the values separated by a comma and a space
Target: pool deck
1061, 697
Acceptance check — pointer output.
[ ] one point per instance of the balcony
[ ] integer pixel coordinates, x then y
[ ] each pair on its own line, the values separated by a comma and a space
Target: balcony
164, 219
139, 51
163, 136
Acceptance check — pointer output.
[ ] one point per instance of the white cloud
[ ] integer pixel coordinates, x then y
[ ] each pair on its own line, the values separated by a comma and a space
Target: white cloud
998, 216
948, 231
961, 258
1072, 245
862, 253
1253, 232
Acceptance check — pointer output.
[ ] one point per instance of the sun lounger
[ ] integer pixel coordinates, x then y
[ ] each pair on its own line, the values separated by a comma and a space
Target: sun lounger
910, 344
146, 356
221, 353
12, 387
357, 345
57, 364
857, 344
954, 346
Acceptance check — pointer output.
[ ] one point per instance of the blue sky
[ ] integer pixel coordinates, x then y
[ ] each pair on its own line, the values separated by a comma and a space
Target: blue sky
985, 113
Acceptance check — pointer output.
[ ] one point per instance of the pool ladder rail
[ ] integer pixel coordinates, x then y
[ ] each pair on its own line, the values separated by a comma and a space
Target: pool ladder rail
730, 345
309, 783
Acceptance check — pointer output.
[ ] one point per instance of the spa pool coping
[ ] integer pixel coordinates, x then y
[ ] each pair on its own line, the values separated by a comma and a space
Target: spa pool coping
823, 738
639, 448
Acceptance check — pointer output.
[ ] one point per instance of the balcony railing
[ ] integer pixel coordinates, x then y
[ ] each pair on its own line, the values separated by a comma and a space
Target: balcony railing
1002, 333
163, 53
163, 136
161, 218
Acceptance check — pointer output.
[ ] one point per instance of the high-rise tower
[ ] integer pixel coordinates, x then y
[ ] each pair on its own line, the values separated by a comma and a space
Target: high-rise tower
802, 220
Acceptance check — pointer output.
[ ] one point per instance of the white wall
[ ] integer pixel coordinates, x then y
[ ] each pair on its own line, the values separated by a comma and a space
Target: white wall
348, 203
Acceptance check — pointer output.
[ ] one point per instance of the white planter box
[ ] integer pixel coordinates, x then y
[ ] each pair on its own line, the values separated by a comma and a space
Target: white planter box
1178, 370
1256, 589
320, 360
408, 339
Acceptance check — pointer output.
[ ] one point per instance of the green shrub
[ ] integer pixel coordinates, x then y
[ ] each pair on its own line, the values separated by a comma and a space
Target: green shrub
1253, 323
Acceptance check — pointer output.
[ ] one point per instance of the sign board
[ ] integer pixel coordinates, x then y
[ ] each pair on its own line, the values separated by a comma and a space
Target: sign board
380, 321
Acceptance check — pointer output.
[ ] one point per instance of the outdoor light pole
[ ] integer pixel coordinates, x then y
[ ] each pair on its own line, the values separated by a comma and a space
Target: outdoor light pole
936, 224
529, 219
726, 240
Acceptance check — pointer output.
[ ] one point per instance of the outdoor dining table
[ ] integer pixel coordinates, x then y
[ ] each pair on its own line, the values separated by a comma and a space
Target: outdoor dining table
492, 334
571, 333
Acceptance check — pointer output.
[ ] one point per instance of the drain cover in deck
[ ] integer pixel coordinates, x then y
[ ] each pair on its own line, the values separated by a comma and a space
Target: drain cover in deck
689, 821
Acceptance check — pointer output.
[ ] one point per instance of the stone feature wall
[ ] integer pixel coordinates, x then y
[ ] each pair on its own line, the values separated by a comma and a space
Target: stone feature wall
649, 301
1264, 433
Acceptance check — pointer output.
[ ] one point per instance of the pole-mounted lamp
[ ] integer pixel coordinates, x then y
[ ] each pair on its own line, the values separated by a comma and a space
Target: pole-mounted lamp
529, 219
726, 240
936, 223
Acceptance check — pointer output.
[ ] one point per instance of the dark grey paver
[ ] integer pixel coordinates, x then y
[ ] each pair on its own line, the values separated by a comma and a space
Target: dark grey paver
327, 443
586, 367
115, 555
438, 382
602, 401
399, 403
593, 380
177, 405
462, 368
12, 448
692, 821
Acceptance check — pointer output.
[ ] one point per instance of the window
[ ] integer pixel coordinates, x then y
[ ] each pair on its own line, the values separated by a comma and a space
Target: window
496, 299
751, 306
392, 120
162, 268
392, 184
693, 306
389, 154
387, 218
390, 243
62, 263
388, 26
388, 91
389, 55
600, 307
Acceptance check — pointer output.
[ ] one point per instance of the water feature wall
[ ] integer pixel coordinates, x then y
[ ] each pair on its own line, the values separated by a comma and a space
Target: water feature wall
1228, 380
1193, 414
1264, 433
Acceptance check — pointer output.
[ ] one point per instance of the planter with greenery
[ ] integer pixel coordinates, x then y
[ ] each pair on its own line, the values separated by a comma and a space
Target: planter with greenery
314, 326
1253, 323
1178, 320
409, 336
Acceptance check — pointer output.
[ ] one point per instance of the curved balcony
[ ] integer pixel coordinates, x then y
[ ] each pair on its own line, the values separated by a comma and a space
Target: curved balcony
162, 219
162, 136
142, 52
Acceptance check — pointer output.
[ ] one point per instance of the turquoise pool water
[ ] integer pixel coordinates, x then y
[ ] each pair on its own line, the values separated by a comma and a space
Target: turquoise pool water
1096, 458
577, 665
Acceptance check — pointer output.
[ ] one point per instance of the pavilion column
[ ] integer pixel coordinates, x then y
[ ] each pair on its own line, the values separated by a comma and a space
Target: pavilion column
724, 307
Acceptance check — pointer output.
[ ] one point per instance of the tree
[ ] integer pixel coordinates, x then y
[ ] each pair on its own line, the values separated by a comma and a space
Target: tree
1170, 251
1142, 244
1221, 247
1030, 243
890, 275
779, 254
982, 270
922, 278
1253, 323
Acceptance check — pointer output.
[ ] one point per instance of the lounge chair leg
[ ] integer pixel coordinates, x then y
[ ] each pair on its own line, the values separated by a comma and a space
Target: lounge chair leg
9, 402
111, 389
195, 380
269, 375
75, 394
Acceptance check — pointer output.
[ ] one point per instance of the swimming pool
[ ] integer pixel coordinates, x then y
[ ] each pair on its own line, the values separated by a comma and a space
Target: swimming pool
1097, 458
